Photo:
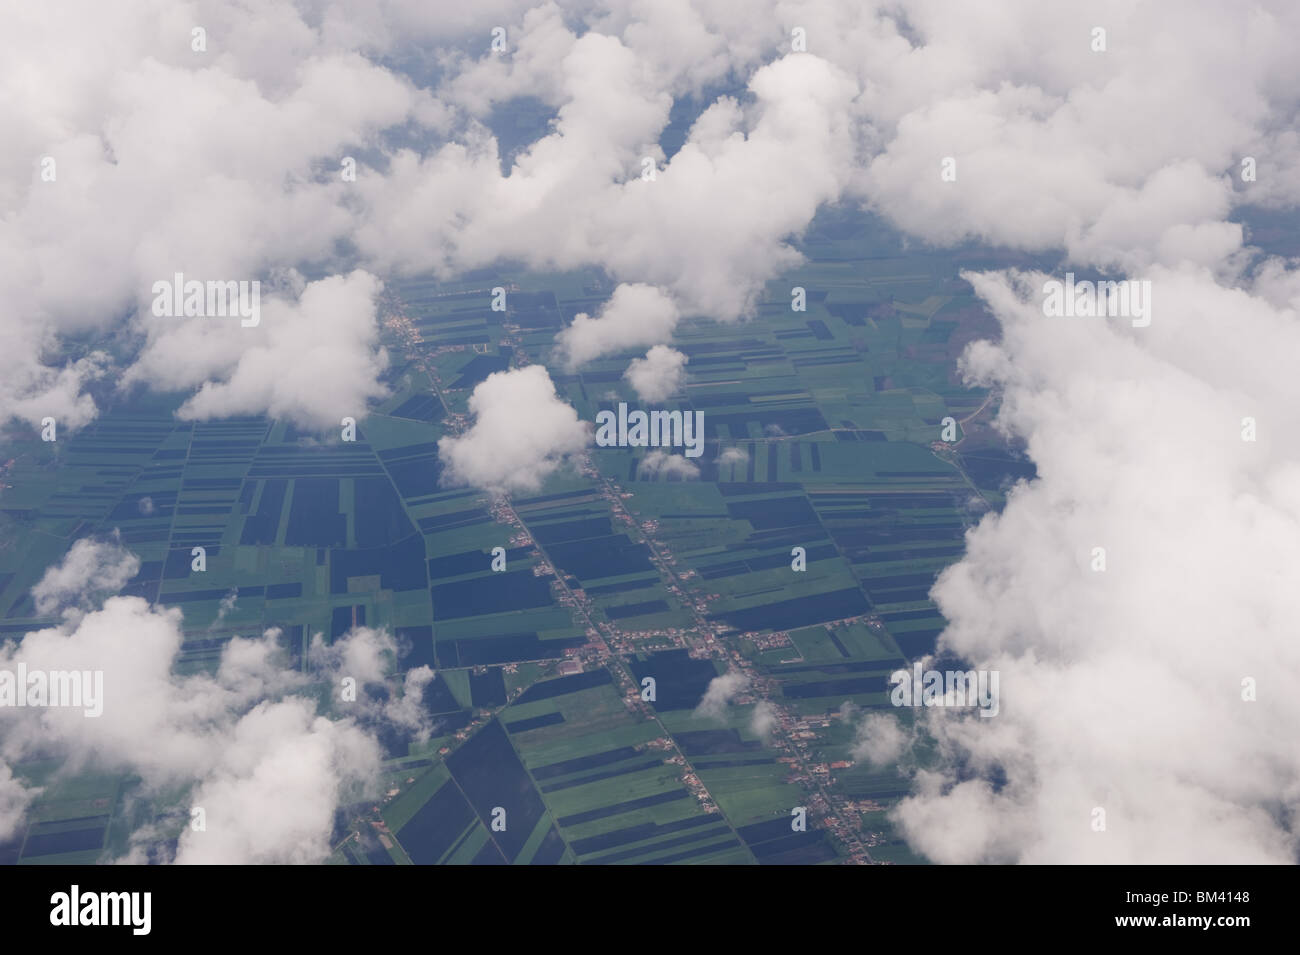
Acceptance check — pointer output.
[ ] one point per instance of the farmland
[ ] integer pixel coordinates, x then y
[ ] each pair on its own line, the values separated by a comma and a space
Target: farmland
821, 434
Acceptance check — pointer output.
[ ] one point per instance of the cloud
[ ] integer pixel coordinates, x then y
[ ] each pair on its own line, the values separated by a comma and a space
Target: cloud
1123, 692
707, 231
671, 466
764, 720
270, 798
246, 743
313, 361
522, 433
363, 656
1124, 688
879, 739
32, 391
714, 224
1056, 146
733, 455
233, 736
15, 797
246, 182
536, 49
721, 691
90, 568
657, 376
634, 316
408, 711
367, 656
227, 604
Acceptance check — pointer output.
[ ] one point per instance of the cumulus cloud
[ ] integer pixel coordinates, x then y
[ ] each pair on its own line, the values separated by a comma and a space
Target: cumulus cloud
15, 797
671, 466
247, 742
90, 568
362, 656
1126, 688
733, 455
879, 739
408, 711
95, 206
227, 604
1056, 146
658, 375
719, 694
237, 737
634, 316
33, 391
708, 229
522, 433
1123, 692
271, 796
313, 361
763, 720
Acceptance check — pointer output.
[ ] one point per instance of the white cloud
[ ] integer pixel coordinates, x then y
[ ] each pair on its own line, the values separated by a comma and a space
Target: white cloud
669, 465
536, 49
522, 433
408, 710
1123, 689
271, 796
660, 374
247, 741
90, 568
634, 316
763, 720
879, 739
32, 392
15, 797
720, 692
245, 181
363, 656
1057, 147
313, 361
708, 230
227, 604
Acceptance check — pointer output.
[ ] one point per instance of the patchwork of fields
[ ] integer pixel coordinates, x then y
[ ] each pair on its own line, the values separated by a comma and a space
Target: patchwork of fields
820, 428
